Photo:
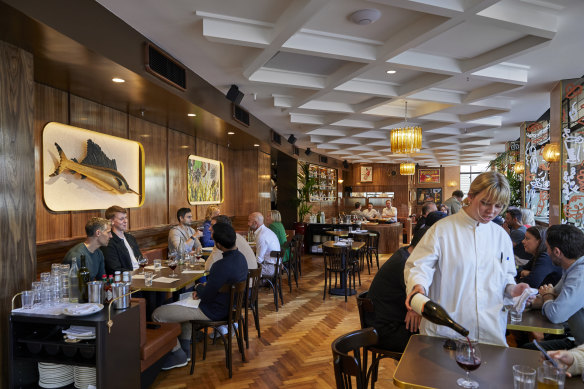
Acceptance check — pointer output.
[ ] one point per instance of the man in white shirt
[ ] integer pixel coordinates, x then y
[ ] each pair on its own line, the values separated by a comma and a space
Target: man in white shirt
370, 213
389, 212
465, 263
240, 244
266, 242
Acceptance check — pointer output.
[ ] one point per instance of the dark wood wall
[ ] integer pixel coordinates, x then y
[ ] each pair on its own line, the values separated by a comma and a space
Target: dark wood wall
17, 194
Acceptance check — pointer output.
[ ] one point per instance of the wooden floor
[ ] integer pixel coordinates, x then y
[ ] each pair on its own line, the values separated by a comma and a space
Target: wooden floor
295, 348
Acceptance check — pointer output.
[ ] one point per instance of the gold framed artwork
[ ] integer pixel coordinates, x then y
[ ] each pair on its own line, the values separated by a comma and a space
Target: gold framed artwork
204, 181
429, 176
85, 170
366, 174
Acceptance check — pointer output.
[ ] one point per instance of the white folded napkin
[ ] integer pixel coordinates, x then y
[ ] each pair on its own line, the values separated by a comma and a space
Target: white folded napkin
79, 330
519, 302
193, 271
189, 302
165, 280
138, 276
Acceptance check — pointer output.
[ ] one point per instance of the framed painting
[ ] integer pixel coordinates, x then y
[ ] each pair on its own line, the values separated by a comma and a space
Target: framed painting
204, 181
428, 176
366, 174
428, 194
85, 170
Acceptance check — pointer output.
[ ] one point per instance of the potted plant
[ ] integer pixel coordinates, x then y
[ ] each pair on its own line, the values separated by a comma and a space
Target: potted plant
306, 188
501, 164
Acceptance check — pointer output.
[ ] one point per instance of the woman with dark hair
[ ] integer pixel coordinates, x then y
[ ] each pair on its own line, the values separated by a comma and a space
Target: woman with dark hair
540, 270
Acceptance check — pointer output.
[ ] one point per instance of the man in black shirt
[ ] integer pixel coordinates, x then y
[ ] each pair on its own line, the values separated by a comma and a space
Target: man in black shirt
426, 209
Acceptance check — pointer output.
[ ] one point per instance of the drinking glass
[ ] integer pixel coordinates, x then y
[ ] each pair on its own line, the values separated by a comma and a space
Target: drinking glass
172, 263
142, 262
157, 265
468, 357
27, 298
515, 316
550, 377
523, 377
45, 277
37, 288
148, 276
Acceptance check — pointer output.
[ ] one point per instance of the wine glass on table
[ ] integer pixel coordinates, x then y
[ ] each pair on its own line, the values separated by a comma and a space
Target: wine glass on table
172, 264
142, 262
468, 357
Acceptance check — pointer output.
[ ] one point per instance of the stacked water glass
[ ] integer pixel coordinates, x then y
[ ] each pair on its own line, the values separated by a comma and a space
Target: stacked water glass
46, 289
65, 283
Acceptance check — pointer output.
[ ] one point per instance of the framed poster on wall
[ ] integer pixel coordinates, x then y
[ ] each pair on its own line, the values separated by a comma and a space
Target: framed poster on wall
204, 181
428, 194
366, 174
85, 170
428, 176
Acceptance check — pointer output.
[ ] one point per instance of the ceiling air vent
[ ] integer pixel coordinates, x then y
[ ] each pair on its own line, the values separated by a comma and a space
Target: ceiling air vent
295, 150
323, 159
276, 138
240, 115
163, 66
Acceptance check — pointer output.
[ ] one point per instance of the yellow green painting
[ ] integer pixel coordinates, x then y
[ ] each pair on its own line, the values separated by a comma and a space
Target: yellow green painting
205, 181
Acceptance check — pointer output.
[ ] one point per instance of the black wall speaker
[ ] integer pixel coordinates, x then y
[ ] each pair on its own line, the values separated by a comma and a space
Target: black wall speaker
292, 139
345, 164
234, 95
308, 151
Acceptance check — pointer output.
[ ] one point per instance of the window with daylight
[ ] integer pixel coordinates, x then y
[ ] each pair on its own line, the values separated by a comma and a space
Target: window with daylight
468, 173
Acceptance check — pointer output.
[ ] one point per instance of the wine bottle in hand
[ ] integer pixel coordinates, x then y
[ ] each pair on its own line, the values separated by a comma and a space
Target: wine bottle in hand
435, 313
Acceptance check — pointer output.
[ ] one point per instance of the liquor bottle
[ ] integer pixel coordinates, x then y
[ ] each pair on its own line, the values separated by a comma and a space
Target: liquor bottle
83, 278
435, 313
74, 282
109, 293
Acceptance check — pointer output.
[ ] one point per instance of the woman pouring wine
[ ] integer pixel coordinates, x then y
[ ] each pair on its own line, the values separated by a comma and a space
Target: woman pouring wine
465, 263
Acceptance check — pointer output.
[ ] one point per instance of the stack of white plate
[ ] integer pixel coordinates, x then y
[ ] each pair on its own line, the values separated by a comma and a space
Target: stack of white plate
52, 375
84, 376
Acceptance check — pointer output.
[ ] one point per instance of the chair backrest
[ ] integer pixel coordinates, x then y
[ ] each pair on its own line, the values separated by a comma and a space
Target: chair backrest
333, 257
366, 309
278, 255
236, 293
373, 239
253, 281
358, 237
347, 351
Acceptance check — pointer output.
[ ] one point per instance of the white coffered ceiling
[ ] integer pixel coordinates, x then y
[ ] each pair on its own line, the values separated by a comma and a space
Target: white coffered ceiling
471, 70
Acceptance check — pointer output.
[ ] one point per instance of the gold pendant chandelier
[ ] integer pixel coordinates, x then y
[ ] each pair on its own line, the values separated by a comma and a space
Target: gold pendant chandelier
406, 140
407, 169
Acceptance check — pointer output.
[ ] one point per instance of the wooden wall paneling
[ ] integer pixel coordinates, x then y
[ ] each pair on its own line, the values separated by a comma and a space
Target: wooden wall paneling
17, 197
247, 184
153, 137
92, 116
180, 146
229, 175
204, 149
264, 185
50, 106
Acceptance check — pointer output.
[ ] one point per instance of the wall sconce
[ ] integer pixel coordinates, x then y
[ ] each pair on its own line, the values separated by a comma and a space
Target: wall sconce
452, 183
340, 181
551, 152
519, 167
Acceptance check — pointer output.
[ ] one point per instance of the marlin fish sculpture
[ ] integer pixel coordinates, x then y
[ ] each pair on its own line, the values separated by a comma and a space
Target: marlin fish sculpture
97, 167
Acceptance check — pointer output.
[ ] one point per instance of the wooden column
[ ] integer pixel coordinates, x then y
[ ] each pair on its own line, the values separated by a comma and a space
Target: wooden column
555, 167
17, 189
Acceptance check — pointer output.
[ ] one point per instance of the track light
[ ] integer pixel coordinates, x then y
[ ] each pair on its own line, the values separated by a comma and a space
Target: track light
308, 151
292, 139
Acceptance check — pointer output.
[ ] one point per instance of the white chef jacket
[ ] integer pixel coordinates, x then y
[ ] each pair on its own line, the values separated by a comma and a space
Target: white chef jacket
390, 213
465, 266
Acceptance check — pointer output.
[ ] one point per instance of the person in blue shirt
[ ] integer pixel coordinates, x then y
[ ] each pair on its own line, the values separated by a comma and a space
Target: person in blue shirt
213, 305
540, 270
207, 239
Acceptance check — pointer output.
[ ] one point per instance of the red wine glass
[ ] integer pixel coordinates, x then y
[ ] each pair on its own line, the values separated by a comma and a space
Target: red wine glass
172, 263
468, 357
142, 262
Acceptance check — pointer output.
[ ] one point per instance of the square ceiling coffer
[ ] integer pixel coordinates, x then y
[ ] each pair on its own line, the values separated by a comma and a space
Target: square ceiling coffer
166, 68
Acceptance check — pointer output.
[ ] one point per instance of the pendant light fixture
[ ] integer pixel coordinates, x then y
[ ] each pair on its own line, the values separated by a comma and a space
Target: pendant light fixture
519, 167
406, 140
551, 152
407, 169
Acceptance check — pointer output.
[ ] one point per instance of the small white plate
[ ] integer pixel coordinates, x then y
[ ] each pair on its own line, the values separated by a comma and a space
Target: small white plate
207, 249
89, 311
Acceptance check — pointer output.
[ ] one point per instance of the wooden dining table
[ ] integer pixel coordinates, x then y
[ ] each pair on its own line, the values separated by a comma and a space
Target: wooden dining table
533, 321
425, 364
182, 280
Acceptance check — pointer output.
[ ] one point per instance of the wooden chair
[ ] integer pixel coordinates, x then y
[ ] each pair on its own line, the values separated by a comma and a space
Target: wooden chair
299, 247
251, 301
337, 260
366, 317
362, 252
347, 358
373, 247
276, 280
293, 266
236, 294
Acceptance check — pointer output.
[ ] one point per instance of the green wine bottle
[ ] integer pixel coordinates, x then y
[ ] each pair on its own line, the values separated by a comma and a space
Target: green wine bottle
84, 278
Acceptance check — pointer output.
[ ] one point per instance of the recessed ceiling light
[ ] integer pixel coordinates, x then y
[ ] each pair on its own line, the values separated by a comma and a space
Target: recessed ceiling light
256, 145
391, 71
231, 133
191, 114
118, 80
365, 16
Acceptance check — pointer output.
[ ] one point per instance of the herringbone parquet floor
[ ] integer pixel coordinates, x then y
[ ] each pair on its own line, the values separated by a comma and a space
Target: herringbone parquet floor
295, 348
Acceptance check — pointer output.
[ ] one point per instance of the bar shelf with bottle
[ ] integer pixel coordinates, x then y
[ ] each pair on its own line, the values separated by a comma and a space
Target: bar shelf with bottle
326, 183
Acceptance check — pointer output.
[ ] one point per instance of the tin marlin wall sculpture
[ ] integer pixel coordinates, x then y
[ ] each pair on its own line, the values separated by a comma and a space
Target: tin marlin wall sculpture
97, 167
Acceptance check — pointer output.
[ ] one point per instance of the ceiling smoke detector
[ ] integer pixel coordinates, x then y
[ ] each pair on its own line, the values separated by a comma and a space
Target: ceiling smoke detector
365, 16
